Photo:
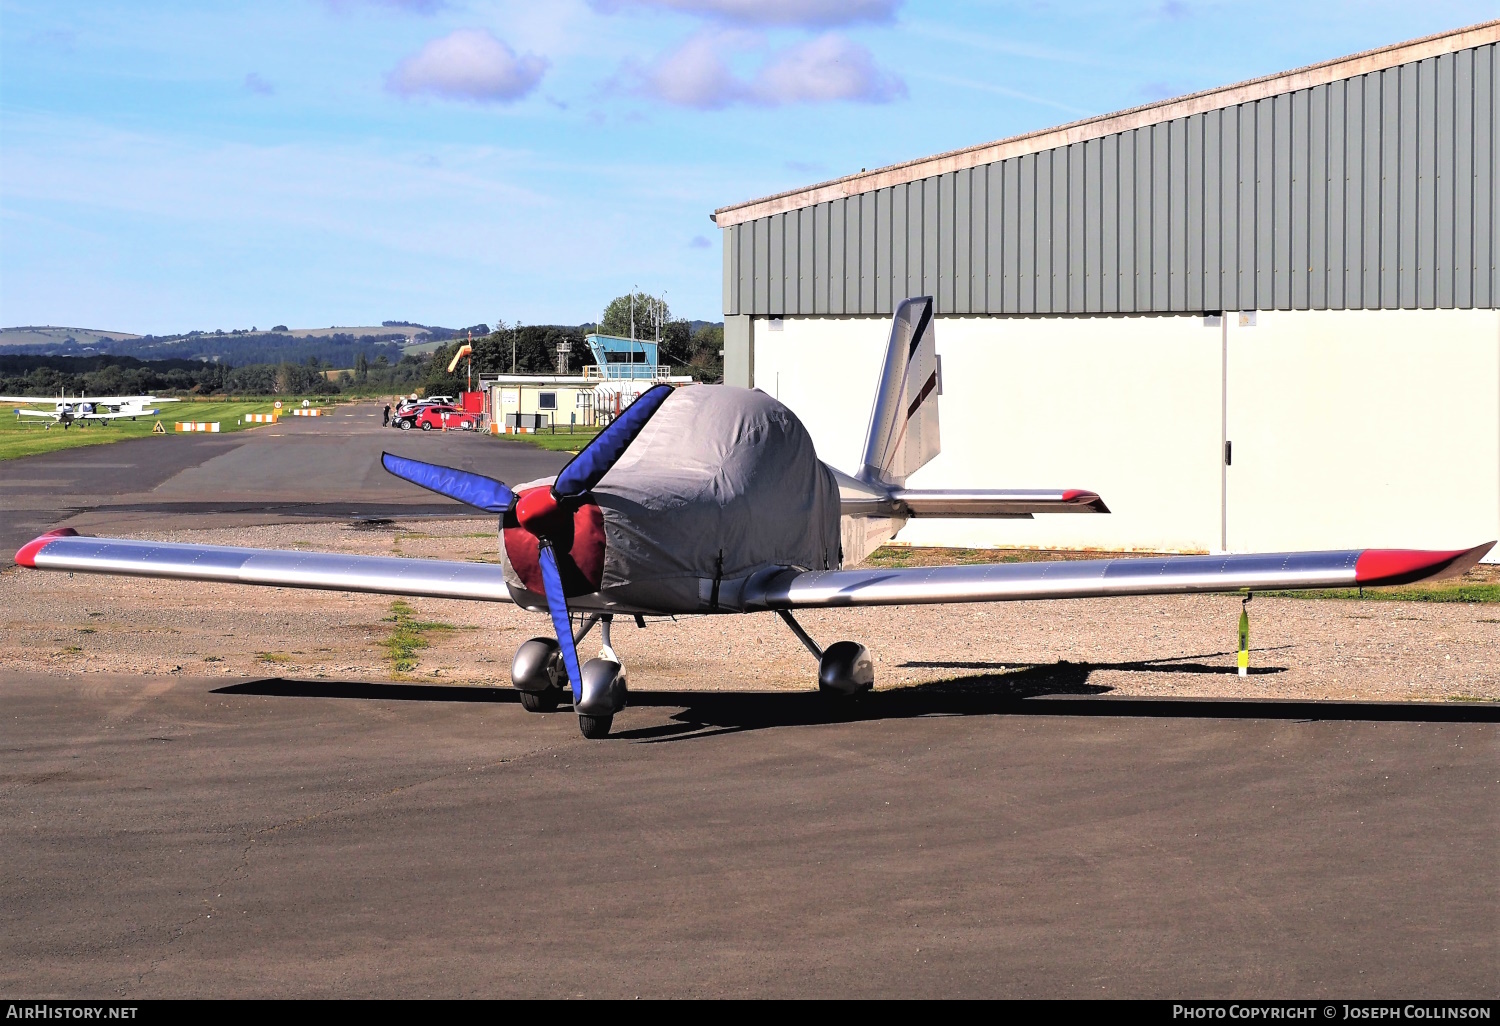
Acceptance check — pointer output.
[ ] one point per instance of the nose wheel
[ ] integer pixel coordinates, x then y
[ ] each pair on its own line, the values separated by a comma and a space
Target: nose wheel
595, 727
537, 673
603, 691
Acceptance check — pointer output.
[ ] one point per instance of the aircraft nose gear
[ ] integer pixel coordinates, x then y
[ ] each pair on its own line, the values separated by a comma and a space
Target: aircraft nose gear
603, 688
537, 671
845, 668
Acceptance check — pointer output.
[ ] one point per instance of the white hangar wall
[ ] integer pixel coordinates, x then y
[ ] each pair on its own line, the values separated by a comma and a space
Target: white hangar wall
1348, 428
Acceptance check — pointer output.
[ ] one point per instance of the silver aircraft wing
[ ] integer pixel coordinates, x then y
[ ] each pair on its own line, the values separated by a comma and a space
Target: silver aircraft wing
117, 415
107, 400
1094, 578
431, 578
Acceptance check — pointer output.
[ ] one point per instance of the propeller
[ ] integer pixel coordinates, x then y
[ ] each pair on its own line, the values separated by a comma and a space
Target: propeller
546, 513
557, 605
589, 466
474, 489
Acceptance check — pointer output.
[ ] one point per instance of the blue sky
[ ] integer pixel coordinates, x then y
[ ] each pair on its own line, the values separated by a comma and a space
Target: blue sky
169, 166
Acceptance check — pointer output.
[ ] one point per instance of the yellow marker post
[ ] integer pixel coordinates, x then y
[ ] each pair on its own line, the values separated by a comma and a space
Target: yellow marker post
1244, 656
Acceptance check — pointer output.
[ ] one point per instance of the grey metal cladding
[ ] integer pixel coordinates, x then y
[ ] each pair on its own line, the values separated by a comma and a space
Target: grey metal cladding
1376, 191
1486, 190
776, 265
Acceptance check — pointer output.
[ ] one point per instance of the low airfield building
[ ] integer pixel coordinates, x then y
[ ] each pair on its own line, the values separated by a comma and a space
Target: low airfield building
1254, 318
621, 370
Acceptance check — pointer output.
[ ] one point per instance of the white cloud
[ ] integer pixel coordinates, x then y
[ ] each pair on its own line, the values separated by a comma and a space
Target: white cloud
805, 13
827, 68
468, 64
699, 74
696, 74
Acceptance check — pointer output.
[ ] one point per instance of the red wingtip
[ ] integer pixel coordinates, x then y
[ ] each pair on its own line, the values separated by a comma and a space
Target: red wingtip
1403, 566
1084, 497
26, 555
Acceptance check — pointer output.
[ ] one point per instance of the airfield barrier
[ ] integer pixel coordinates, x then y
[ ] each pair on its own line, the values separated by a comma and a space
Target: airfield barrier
260, 418
307, 413
197, 425
521, 424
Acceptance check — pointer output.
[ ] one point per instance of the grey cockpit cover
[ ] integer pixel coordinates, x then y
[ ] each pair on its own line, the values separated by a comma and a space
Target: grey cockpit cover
721, 482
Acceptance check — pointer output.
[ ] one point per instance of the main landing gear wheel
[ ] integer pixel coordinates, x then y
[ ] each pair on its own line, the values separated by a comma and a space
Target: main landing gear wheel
845, 669
595, 727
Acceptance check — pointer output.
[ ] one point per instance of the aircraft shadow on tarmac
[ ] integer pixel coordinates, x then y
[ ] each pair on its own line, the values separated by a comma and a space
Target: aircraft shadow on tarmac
1008, 689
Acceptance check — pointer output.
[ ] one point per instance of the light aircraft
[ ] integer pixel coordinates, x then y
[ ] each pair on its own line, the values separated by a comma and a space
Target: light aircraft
711, 500
110, 407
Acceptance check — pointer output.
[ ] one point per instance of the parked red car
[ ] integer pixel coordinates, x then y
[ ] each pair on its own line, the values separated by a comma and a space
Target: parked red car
429, 417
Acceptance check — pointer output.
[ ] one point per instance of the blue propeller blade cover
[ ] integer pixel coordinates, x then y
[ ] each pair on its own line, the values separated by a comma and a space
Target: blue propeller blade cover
590, 465
475, 489
557, 605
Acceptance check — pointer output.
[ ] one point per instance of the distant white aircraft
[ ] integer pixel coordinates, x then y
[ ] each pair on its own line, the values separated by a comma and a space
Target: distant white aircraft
65, 411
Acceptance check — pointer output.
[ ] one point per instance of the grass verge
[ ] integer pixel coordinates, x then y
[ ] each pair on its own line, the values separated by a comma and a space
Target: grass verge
408, 636
560, 442
1448, 591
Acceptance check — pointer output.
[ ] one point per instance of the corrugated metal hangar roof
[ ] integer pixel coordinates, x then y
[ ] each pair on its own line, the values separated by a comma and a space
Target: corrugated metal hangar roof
1362, 183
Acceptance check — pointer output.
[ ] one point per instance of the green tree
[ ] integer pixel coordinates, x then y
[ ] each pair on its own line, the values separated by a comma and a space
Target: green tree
681, 348
533, 347
707, 363
361, 367
648, 311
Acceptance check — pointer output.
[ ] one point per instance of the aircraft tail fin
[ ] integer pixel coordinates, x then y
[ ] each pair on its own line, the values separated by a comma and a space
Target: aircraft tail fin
903, 433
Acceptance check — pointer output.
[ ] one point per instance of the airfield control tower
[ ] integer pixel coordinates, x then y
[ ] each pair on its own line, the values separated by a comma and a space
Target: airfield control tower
623, 359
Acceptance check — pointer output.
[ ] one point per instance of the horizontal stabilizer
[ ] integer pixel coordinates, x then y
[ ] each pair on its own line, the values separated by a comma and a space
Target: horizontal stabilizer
432, 578
938, 502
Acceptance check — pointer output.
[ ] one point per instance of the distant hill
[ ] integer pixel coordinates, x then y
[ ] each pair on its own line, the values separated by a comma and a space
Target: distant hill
45, 335
336, 346
54, 335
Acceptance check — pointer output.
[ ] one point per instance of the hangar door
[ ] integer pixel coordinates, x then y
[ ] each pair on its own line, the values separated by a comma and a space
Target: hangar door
1130, 407
1362, 428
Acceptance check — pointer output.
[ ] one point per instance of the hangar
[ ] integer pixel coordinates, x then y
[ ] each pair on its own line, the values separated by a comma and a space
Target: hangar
1255, 318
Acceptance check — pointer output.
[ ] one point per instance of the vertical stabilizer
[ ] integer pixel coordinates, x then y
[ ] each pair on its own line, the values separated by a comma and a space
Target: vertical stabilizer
904, 422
